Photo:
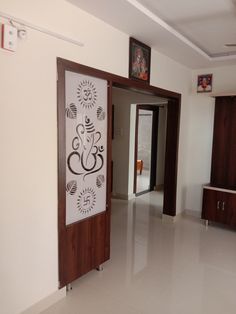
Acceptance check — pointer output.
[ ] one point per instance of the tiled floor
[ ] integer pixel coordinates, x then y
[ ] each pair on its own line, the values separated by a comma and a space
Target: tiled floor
158, 267
143, 181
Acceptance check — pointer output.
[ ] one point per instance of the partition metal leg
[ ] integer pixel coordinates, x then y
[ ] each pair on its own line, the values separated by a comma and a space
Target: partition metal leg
100, 268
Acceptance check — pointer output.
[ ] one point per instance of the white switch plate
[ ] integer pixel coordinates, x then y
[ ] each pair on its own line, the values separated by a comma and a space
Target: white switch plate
9, 37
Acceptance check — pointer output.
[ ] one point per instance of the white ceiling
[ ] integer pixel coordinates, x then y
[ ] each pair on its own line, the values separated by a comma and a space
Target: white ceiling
192, 32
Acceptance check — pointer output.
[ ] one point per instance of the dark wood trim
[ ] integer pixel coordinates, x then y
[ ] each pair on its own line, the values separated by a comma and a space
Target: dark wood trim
61, 172
113, 116
223, 170
136, 151
61, 146
155, 124
142, 192
109, 170
119, 81
171, 157
153, 108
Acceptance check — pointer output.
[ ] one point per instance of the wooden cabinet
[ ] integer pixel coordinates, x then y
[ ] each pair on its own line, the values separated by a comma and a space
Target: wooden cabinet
219, 198
219, 205
214, 206
223, 167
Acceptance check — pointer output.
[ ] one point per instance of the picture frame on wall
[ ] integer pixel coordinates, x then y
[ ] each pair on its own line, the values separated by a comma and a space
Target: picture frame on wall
139, 61
204, 83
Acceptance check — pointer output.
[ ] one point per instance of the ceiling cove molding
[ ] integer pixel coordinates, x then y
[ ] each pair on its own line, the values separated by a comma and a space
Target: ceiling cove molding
177, 34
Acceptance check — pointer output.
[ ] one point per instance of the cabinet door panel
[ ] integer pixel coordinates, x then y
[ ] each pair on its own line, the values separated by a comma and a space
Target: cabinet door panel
231, 214
215, 206
222, 211
220, 143
209, 204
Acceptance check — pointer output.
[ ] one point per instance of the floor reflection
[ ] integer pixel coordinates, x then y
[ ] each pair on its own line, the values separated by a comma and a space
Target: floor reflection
143, 181
158, 267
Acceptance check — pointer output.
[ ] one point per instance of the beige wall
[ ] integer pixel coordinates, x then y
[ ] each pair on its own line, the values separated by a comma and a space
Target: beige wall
224, 78
201, 118
120, 143
28, 130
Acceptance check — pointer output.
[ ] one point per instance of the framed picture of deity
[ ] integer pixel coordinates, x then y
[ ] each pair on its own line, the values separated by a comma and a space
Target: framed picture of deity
204, 83
139, 61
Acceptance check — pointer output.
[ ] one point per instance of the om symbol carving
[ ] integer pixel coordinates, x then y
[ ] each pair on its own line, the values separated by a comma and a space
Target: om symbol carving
87, 156
87, 94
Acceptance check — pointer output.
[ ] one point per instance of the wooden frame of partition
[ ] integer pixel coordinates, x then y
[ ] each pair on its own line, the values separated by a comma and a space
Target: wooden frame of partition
100, 224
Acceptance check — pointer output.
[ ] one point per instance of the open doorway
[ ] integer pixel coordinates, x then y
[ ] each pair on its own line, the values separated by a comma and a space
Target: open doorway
132, 110
145, 148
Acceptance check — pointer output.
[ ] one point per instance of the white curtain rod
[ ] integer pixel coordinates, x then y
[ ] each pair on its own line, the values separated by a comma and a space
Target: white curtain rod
40, 29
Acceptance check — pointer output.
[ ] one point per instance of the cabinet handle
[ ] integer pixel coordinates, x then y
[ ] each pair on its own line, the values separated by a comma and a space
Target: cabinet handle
218, 204
223, 206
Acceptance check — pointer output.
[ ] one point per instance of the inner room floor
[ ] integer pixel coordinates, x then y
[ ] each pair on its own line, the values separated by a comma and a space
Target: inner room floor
158, 267
143, 181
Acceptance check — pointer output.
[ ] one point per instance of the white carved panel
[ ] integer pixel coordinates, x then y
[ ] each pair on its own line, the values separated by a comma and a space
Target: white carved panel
86, 146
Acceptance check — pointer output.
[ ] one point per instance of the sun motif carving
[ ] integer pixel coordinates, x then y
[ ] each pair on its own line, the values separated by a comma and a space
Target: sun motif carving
87, 94
86, 201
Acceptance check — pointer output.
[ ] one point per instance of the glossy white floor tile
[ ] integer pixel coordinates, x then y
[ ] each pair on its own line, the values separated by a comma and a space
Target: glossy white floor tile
143, 181
157, 267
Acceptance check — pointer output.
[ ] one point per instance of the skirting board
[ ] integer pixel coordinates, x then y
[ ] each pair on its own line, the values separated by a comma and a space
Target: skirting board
190, 213
170, 219
46, 302
159, 187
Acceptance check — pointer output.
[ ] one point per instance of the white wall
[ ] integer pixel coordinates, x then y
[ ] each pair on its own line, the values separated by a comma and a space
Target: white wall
120, 143
201, 116
28, 128
223, 79
145, 138
200, 147
168, 74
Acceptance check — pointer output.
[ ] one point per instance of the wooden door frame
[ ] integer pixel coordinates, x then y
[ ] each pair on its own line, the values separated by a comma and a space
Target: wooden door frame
153, 163
170, 177
173, 121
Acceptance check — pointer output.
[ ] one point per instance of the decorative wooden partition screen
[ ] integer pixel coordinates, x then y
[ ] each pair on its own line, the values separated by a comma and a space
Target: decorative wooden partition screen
84, 214
84, 163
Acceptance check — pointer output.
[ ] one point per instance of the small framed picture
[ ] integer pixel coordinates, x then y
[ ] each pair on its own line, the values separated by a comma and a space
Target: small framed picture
139, 60
204, 83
